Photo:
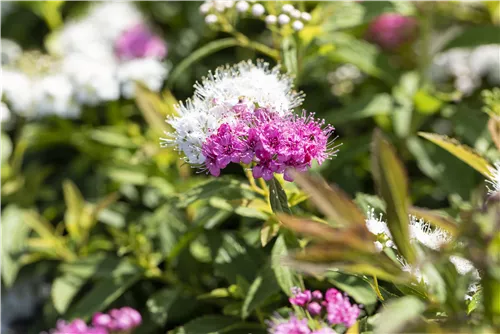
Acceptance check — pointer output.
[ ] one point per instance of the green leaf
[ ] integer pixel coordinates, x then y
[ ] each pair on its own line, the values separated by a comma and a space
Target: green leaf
475, 36
463, 152
6, 147
289, 47
354, 286
209, 324
426, 104
160, 304
14, 235
363, 107
199, 54
397, 314
222, 187
74, 203
277, 197
285, 276
390, 178
64, 289
102, 294
262, 288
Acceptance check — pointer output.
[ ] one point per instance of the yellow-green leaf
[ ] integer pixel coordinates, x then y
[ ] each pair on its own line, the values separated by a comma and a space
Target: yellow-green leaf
463, 152
390, 178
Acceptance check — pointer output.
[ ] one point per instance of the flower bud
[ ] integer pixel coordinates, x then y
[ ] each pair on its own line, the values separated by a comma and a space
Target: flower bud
314, 308
258, 9
391, 31
306, 16
283, 19
242, 6
287, 8
297, 25
271, 19
211, 19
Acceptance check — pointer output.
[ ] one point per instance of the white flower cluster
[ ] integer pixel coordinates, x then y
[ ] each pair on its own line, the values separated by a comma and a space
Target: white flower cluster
467, 67
421, 232
289, 14
494, 180
86, 71
219, 92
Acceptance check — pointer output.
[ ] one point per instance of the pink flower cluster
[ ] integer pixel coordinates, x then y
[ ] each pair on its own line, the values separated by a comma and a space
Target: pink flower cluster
390, 31
334, 309
336, 305
122, 321
140, 42
273, 143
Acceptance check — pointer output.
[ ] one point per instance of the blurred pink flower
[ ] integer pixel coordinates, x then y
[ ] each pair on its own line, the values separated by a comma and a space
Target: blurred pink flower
390, 31
140, 42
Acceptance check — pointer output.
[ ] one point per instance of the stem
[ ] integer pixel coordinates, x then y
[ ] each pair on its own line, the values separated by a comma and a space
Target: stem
426, 24
260, 316
251, 180
377, 290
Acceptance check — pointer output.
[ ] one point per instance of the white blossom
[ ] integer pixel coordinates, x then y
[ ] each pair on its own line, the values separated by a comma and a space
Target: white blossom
211, 19
464, 266
258, 9
295, 13
216, 94
297, 25
53, 94
376, 225
283, 19
306, 16
11, 51
18, 92
494, 179
242, 6
433, 238
94, 81
205, 7
271, 19
146, 71
287, 8
5, 114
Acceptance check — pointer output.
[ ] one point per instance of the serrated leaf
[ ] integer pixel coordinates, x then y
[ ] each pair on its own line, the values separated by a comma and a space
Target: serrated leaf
397, 314
14, 235
354, 286
277, 197
462, 152
390, 178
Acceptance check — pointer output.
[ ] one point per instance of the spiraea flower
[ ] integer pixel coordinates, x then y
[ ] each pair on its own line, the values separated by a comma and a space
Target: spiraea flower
244, 114
494, 180
77, 326
334, 309
390, 31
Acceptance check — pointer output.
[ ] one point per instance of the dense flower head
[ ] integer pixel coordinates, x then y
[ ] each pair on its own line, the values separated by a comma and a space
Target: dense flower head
291, 326
391, 30
140, 42
77, 326
244, 114
116, 321
339, 308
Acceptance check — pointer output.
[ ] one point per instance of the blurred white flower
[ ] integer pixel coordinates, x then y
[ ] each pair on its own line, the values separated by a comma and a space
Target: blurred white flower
53, 94
114, 17
18, 91
258, 9
283, 19
5, 115
205, 7
211, 19
295, 13
306, 16
271, 19
242, 6
11, 51
93, 81
485, 62
297, 25
494, 180
412, 270
376, 225
287, 8
464, 266
146, 71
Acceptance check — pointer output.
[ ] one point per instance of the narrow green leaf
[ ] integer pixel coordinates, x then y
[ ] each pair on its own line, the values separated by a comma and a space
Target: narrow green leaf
277, 197
102, 294
289, 47
462, 152
64, 289
397, 314
262, 288
74, 203
199, 54
14, 235
390, 178
475, 36
285, 276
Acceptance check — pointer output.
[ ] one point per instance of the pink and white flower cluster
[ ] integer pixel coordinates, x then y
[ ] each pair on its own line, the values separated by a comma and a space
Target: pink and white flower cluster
122, 321
334, 308
244, 114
